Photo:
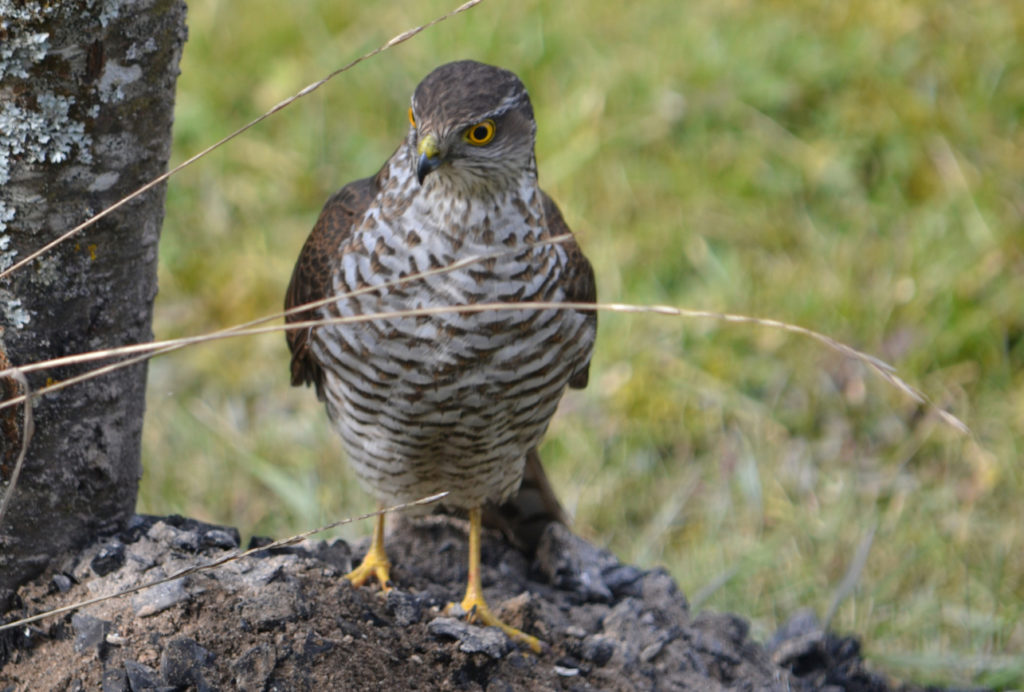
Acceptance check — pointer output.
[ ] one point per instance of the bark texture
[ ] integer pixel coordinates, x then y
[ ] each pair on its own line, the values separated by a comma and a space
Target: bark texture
86, 105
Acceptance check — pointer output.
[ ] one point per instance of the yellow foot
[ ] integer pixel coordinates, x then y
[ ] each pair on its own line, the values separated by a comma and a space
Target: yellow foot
474, 604
477, 610
376, 563
372, 567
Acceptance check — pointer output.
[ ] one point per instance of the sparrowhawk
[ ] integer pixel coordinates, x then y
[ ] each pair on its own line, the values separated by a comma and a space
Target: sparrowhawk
456, 401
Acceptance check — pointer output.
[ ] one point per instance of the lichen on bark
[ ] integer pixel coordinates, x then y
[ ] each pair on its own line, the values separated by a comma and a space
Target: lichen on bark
86, 105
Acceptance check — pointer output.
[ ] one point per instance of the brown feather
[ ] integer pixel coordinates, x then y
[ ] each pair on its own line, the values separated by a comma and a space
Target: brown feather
311, 278
578, 278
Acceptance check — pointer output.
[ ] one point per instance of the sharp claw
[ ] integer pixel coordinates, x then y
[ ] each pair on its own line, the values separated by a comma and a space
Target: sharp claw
475, 609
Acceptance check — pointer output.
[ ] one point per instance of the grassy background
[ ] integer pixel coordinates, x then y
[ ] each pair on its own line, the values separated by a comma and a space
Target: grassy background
852, 167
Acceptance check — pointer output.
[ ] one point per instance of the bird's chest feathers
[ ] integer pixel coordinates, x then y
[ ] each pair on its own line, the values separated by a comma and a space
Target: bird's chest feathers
410, 256
443, 247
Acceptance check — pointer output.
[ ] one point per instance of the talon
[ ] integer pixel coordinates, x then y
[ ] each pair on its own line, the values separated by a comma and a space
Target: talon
474, 605
371, 568
375, 564
476, 610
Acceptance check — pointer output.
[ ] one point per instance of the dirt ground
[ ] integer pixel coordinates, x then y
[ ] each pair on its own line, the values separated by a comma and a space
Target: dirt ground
285, 620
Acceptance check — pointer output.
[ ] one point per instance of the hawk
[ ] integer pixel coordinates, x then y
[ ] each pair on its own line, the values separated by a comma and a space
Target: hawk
455, 401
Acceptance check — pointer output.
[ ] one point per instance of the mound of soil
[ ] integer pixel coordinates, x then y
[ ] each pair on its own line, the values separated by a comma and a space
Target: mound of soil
284, 619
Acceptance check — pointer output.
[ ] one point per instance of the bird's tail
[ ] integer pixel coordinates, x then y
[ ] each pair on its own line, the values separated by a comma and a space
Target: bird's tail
525, 515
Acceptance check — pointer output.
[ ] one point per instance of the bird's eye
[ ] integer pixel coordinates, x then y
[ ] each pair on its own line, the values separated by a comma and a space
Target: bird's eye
481, 133
412, 120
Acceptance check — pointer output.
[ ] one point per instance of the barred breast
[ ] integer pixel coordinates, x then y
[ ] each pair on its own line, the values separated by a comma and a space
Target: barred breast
449, 402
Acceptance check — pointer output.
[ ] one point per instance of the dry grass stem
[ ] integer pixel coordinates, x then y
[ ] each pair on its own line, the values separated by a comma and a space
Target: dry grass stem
147, 350
394, 41
27, 428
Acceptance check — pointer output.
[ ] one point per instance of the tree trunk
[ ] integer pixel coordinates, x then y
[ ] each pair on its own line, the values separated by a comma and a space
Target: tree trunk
86, 105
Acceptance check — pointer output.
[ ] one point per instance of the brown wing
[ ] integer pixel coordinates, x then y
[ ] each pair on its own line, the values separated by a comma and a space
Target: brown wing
523, 517
311, 278
578, 279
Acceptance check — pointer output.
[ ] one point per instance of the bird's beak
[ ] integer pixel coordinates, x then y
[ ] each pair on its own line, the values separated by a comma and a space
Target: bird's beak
430, 157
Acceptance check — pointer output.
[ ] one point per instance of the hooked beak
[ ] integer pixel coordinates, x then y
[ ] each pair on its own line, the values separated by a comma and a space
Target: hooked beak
430, 157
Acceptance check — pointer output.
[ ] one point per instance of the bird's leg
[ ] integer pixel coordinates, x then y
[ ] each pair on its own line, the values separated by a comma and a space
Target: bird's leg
474, 604
375, 563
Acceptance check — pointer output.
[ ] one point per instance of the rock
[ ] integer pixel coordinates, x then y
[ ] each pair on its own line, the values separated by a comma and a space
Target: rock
208, 535
623, 580
801, 623
259, 542
142, 678
26, 637
315, 645
274, 605
138, 526
337, 554
159, 598
575, 631
406, 608
818, 658
625, 628
109, 558
532, 614
566, 669
589, 617
181, 539
572, 564
798, 643
254, 667
115, 680
445, 627
263, 570
597, 649
145, 554
90, 632
223, 539
718, 638
658, 588
472, 638
62, 582
664, 637
182, 663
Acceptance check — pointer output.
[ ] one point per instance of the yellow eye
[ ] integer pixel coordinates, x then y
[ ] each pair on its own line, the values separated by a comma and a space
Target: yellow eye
481, 133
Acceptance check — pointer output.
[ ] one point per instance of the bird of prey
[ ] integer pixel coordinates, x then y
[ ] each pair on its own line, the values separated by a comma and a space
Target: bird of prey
452, 401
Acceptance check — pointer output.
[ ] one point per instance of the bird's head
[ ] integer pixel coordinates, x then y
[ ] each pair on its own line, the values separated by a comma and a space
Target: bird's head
472, 129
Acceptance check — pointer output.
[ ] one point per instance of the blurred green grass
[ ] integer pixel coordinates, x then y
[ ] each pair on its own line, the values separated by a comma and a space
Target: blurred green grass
855, 168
